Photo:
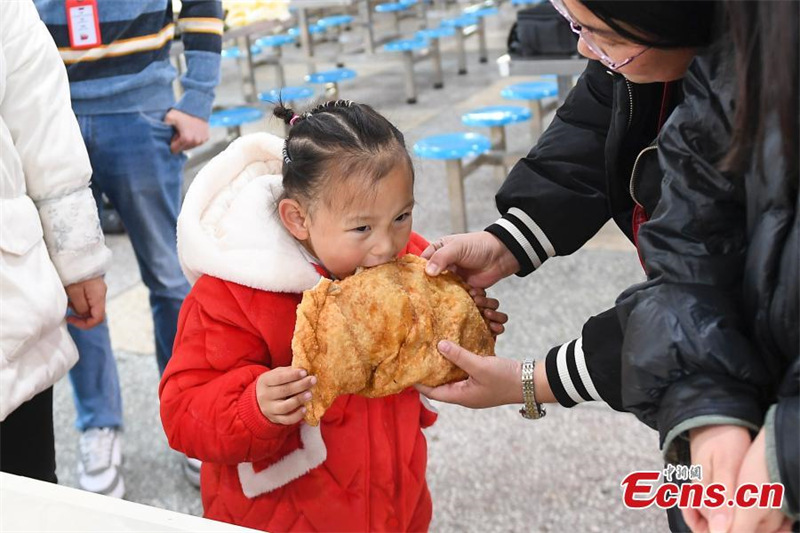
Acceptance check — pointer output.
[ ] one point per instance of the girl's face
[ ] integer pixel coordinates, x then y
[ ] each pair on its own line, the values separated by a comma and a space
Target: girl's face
649, 64
361, 226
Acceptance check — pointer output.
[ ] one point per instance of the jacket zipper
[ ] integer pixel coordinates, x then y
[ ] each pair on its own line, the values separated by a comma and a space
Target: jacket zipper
630, 101
633, 172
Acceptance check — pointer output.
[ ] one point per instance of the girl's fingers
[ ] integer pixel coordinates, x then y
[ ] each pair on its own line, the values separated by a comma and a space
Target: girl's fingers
283, 375
486, 303
289, 419
286, 391
289, 405
495, 316
497, 329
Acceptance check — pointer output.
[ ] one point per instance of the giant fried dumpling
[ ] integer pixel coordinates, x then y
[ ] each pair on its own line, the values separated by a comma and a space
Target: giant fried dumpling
375, 333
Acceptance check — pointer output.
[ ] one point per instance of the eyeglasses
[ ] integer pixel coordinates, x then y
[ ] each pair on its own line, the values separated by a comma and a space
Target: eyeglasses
588, 38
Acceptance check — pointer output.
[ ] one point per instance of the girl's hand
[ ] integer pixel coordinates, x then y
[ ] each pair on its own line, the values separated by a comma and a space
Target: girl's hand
281, 393
720, 450
754, 470
488, 308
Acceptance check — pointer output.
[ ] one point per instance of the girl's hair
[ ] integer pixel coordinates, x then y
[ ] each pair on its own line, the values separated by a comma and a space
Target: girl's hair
767, 53
335, 141
659, 23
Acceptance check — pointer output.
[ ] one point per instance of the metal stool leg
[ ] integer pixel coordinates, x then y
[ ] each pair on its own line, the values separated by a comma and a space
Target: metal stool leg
482, 53
498, 138
280, 77
462, 54
455, 186
411, 88
537, 121
367, 18
396, 22
436, 57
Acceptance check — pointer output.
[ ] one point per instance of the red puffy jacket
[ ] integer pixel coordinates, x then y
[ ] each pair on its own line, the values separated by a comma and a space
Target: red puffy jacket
362, 469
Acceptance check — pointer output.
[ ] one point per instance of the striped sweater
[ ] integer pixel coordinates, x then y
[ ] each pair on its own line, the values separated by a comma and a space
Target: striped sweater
131, 70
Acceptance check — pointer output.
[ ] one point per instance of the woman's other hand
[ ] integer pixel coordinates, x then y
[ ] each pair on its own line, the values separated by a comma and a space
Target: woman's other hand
492, 381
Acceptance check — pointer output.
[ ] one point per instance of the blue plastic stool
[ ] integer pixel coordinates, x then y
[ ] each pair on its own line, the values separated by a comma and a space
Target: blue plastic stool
496, 118
407, 48
437, 33
481, 11
233, 118
313, 29
392, 7
335, 21
234, 52
330, 79
518, 3
533, 92
395, 8
464, 21
275, 41
434, 36
292, 93
462, 26
452, 148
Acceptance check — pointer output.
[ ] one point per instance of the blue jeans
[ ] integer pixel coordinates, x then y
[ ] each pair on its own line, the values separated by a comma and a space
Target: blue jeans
134, 168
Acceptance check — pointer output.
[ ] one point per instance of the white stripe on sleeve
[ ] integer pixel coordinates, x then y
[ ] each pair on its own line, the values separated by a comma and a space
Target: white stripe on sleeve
520, 238
563, 374
583, 371
535, 229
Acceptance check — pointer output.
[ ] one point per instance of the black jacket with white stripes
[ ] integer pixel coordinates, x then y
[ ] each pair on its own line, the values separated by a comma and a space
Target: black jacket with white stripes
596, 161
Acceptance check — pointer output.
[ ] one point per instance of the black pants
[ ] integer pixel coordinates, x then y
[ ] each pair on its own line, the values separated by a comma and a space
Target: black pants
27, 440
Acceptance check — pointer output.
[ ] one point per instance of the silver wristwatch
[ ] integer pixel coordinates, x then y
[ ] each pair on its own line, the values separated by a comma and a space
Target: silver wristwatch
532, 409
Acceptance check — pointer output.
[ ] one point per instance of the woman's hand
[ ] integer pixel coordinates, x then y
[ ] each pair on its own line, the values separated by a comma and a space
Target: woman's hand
720, 450
479, 258
754, 471
492, 381
281, 393
488, 308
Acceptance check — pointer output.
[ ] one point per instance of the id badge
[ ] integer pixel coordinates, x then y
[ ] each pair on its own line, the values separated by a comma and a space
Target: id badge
83, 23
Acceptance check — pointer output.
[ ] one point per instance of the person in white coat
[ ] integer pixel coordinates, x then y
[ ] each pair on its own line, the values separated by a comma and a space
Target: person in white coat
52, 251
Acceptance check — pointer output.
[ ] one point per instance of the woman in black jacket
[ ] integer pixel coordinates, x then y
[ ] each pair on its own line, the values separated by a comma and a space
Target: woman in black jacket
712, 340
596, 161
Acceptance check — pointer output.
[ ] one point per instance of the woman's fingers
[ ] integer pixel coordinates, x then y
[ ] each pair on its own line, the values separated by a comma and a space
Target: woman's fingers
462, 358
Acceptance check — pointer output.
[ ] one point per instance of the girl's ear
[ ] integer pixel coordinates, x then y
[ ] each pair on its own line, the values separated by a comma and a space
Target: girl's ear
294, 218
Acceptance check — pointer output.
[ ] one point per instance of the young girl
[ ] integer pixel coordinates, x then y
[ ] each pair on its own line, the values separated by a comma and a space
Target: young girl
253, 241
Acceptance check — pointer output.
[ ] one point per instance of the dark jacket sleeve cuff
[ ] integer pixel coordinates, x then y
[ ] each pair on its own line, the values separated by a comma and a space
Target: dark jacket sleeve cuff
568, 375
783, 452
524, 238
704, 400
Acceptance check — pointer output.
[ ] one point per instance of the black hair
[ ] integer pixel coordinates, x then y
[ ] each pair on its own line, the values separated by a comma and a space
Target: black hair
766, 58
659, 23
337, 140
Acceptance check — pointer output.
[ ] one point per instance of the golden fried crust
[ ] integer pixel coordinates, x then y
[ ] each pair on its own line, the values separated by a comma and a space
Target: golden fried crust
375, 333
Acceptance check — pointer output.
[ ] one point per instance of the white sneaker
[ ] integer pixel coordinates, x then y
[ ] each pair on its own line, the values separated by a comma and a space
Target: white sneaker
191, 469
100, 461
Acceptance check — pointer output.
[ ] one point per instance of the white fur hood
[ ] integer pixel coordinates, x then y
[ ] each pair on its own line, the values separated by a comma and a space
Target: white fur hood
229, 228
